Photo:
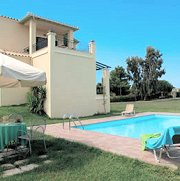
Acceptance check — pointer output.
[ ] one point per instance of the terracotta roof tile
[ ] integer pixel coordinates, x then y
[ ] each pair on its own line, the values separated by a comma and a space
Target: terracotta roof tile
13, 53
9, 17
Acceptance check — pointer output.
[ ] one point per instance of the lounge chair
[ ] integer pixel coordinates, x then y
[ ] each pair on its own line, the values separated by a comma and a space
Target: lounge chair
129, 110
169, 139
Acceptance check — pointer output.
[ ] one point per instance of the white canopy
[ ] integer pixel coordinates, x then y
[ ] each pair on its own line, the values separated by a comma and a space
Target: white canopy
14, 73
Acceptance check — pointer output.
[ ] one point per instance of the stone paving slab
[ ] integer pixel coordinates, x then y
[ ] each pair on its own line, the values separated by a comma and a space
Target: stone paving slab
11, 172
125, 146
6, 153
7, 166
43, 156
19, 170
20, 162
28, 167
47, 161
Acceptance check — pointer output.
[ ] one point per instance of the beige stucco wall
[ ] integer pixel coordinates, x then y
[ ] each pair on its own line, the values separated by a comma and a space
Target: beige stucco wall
71, 81
71, 75
14, 36
41, 60
14, 96
73, 85
102, 104
22, 59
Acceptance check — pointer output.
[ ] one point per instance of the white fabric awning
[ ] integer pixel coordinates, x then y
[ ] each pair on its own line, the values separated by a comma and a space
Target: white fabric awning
14, 73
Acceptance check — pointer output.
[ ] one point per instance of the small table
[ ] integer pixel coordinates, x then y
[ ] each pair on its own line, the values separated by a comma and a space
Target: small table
9, 133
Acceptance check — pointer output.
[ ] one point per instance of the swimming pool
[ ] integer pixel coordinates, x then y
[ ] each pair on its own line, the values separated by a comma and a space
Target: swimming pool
134, 127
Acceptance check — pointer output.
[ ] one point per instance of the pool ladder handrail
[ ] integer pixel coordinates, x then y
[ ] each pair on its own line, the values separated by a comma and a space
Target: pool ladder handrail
72, 118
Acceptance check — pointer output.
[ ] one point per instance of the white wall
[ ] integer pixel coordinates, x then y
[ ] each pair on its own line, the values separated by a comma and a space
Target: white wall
13, 96
73, 85
14, 36
71, 80
102, 104
41, 60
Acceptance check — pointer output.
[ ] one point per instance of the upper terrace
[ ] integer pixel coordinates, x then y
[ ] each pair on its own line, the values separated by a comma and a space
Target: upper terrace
38, 29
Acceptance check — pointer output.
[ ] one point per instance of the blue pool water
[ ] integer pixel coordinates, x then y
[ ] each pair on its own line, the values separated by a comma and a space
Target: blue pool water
134, 127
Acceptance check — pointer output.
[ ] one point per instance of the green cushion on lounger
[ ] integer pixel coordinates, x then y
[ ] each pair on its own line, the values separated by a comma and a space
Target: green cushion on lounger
145, 137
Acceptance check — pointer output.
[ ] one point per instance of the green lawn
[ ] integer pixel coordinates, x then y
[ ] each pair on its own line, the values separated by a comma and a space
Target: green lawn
116, 108
23, 110
168, 105
73, 161
30, 118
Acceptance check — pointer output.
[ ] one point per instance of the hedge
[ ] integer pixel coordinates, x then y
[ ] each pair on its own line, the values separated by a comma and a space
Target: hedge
126, 98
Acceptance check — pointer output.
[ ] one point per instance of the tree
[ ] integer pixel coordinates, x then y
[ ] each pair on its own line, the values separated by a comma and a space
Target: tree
119, 81
134, 70
164, 87
151, 71
145, 73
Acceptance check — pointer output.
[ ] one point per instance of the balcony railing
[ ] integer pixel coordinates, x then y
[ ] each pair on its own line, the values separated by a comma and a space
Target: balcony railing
60, 42
37, 46
72, 44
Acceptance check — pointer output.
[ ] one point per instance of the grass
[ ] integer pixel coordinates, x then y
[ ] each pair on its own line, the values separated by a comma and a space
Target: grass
29, 118
23, 110
167, 105
73, 161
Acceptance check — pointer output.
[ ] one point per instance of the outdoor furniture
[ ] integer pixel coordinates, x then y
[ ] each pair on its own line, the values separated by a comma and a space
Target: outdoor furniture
169, 139
37, 132
8, 133
129, 110
23, 136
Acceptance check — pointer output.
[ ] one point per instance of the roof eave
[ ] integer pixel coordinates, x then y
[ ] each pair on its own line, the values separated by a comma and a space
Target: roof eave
29, 16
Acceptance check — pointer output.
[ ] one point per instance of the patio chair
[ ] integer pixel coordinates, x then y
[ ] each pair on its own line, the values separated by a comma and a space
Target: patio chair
37, 132
12, 118
129, 110
23, 139
168, 140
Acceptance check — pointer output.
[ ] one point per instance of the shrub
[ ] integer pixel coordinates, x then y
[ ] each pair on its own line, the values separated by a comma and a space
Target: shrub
166, 97
35, 99
178, 94
99, 88
126, 98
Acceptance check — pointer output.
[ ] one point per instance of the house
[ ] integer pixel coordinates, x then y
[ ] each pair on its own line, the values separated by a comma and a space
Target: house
71, 71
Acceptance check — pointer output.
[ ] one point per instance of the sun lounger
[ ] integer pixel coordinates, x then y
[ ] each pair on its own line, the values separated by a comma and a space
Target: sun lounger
145, 137
129, 110
169, 139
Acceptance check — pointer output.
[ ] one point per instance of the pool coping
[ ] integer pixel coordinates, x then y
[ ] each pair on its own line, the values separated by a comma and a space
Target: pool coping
130, 147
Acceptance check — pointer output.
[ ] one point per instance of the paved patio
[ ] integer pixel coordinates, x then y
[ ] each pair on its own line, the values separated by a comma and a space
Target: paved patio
115, 144
21, 166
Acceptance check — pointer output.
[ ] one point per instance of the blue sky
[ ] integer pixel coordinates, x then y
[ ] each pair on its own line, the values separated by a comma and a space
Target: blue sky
121, 28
